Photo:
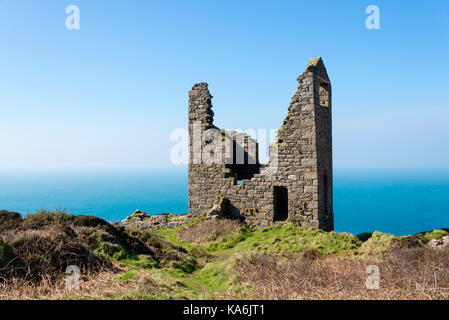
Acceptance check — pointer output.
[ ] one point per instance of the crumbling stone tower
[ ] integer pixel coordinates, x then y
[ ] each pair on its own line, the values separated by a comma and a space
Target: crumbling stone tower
297, 182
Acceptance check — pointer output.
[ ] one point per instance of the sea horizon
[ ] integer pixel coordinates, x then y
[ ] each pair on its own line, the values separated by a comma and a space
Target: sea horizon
399, 202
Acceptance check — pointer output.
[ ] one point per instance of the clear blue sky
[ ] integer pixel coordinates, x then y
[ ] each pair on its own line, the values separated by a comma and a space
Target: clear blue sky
108, 95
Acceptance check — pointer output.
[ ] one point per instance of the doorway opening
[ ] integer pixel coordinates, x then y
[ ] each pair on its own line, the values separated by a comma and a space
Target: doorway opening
280, 203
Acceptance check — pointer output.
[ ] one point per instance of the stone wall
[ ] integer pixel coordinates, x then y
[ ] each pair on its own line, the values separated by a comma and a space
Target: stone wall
300, 161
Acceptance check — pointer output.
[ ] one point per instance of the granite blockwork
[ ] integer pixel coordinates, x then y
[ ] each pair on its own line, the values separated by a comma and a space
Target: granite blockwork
226, 178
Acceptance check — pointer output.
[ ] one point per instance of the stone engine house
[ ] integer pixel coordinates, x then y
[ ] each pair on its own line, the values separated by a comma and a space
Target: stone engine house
295, 185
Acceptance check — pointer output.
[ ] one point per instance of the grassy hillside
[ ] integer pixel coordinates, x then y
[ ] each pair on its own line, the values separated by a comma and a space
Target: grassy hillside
211, 259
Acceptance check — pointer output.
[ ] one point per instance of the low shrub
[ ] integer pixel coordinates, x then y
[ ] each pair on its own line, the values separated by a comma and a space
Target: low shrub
48, 252
9, 220
6, 254
89, 221
44, 218
408, 242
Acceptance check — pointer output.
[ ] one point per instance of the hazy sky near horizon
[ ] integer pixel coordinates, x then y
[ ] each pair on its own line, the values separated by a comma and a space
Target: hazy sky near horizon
109, 95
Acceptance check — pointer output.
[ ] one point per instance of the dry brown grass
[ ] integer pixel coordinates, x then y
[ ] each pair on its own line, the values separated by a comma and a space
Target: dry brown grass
105, 285
418, 273
209, 230
47, 252
49, 289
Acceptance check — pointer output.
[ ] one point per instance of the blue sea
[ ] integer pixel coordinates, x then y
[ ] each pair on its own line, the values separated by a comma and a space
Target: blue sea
364, 201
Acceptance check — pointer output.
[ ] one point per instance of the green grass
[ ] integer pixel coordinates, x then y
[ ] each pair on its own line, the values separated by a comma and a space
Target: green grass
99, 240
435, 234
378, 242
185, 266
126, 257
172, 236
206, 270
230, 241
225, 243
213, 276
214, 272
284, 239
141, 261
126, 276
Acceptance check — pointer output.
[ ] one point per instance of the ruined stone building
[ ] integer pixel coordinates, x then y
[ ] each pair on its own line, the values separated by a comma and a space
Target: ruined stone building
296, 184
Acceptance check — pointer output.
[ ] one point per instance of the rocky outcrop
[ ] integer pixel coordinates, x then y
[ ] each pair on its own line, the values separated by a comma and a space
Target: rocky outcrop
142, 220
219, 210
439, 243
